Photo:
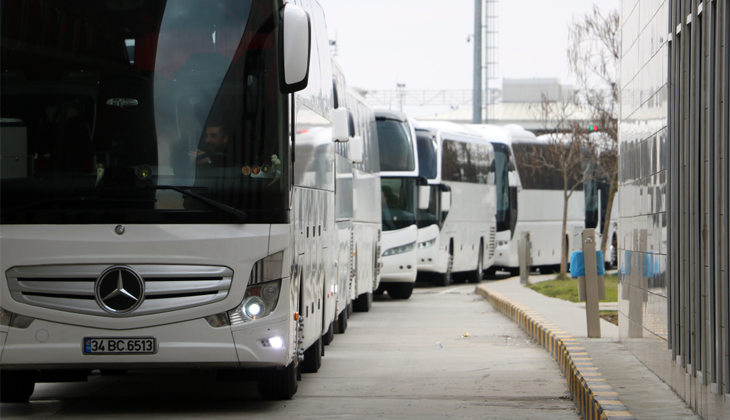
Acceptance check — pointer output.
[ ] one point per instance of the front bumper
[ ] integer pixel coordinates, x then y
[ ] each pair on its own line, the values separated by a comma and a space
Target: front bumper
50, 345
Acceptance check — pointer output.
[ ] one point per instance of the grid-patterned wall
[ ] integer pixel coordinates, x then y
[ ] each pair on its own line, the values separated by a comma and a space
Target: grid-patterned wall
673, 230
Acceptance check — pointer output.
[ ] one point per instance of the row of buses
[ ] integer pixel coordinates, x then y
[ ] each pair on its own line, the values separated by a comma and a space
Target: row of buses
192, 184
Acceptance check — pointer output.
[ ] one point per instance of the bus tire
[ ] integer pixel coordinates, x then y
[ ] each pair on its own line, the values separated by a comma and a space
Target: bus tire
477, 275
400, 290
329, 336
278, 384
341, 322
363, 303
313, 357
16, 386
444, 279
490, 272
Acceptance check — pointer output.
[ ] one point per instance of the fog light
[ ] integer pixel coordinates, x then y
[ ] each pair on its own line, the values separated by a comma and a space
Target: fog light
273, 342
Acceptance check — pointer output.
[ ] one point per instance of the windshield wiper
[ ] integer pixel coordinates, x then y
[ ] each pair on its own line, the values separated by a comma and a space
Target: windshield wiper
238, 214
186, 190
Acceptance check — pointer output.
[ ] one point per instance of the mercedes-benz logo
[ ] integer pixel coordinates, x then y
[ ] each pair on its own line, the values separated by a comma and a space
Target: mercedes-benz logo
119, 290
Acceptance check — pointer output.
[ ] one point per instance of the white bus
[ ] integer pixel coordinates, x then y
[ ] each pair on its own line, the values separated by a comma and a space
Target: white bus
403, 193
366, 207
596, 204
162, 213
358, 207
529, 200
456, 237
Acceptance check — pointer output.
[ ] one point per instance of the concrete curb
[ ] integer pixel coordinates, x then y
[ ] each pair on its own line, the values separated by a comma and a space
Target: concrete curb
592, 395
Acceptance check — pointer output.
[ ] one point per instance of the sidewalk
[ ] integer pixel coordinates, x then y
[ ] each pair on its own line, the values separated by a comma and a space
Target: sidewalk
638, 389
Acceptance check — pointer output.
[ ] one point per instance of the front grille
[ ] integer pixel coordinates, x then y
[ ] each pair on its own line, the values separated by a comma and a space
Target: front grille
70, 288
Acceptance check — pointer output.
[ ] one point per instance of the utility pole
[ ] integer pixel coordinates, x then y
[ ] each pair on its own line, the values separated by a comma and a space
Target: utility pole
477, 96
401, 93
491, 31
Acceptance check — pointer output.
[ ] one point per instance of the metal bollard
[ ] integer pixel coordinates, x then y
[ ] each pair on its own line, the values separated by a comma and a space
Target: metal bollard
593, 314
524, 247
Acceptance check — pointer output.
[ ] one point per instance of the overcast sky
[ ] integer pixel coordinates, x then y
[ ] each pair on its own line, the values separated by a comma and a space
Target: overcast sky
423, 43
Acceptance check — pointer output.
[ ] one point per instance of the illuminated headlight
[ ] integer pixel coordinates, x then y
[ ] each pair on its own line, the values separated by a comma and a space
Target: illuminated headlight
400, 249
426, 244
262, 294
273, 342
259, 302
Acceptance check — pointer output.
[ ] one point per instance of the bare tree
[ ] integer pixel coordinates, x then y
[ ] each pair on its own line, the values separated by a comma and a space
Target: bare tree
564, 159
593, 54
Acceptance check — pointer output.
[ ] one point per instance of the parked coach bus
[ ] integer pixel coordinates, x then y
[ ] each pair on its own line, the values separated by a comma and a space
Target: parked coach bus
403, 194
529, 200
160, 212
366, 204
456, 237
358, 207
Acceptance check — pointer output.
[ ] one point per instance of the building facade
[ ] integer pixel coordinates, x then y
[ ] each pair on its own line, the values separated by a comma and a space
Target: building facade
673, 195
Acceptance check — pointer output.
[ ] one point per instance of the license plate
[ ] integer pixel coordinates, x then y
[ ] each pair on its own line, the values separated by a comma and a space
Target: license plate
126, 345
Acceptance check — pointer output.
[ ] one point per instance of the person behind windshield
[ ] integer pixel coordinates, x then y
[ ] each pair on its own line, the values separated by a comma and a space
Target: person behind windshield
214, 147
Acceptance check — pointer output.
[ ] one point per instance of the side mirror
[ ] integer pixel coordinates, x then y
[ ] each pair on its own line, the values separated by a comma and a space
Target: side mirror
424, 193
341, 125
295, 38
356, 149
445, 201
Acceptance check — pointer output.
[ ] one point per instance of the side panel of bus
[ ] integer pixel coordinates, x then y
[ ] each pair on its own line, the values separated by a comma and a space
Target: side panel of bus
366, 198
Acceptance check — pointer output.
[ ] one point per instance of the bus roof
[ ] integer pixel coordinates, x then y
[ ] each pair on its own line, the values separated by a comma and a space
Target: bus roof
385, 114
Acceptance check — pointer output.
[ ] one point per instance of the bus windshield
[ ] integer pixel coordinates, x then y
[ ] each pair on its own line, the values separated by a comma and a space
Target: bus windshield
130, 104
431, 216
427, 154
395, 142
501, 159
399, 201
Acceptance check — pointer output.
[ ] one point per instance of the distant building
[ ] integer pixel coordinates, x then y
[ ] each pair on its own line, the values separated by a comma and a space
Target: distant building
521, 104
533, 90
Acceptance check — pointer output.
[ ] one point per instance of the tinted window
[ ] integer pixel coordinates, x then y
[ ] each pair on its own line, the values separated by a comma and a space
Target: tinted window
398, 201
501, 164
467, 162
111, 102
396, 146
533, 174
430, 216
427, 155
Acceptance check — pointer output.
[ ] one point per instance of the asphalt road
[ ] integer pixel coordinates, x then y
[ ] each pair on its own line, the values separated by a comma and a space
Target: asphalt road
402, 360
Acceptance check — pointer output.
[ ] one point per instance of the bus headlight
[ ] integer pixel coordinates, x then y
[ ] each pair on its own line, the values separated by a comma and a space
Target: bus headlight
426, 244
400, 249
260, 301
